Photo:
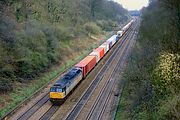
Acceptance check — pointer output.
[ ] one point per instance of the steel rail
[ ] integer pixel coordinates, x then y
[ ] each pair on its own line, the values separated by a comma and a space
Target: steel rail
75, 111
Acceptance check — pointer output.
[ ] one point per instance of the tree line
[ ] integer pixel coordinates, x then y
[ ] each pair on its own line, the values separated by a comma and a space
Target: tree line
32, 32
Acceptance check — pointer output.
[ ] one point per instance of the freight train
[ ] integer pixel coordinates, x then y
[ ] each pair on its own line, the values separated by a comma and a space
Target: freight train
61, 89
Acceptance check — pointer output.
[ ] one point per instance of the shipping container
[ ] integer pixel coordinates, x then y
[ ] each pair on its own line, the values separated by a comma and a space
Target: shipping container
119, 34
87, 64
112, 39
109, 44
95, 53
106, 47
126, 27
100, 51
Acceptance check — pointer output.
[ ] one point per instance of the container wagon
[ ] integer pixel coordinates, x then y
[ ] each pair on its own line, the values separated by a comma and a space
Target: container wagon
126, 27
109, 44
119, 34
96, 54
105, 46
86, 65
112, 39
100, 50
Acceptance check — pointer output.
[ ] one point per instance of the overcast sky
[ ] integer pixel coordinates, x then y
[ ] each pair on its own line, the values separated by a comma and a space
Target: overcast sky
133, 4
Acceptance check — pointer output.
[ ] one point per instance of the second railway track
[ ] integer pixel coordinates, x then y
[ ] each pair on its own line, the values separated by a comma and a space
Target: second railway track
101, 103
74, 114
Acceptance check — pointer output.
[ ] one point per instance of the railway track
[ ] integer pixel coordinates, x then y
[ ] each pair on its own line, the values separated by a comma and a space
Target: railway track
97, 112
49, 113
101, 73
27, 114
98, 107
104, 94
43, 109
35, 106
114, 100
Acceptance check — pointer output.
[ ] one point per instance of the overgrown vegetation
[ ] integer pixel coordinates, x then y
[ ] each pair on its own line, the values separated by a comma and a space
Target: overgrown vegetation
20, 94
152, 91
33, 32
36, 35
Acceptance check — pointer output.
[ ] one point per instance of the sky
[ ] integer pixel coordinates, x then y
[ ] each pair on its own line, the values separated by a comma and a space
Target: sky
133, 4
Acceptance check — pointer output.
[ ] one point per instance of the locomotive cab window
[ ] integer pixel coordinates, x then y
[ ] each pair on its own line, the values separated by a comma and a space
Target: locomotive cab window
59, 90
53, 89
56, 89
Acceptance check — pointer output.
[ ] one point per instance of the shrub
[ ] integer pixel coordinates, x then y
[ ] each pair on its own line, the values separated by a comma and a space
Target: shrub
167, 72
64, 33
5, 84
106, 25
92, 28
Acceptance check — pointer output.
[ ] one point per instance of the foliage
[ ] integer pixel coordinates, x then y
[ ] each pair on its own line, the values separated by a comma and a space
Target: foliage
152, 88
38, 34
92, 28
5, 84
31, 32
107, 25
167, 73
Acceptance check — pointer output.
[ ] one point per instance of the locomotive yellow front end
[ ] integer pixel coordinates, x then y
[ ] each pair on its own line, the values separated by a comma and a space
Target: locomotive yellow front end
57, 94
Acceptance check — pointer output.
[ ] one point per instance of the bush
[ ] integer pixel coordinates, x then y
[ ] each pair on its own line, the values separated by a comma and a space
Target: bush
33, 33
167, 72
5, 84
106, 25
153, 74
92, 28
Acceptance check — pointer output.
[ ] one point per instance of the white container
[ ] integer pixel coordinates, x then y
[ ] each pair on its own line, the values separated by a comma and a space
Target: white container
112, 39
124, 29
105, 46
119, 33
95, 53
